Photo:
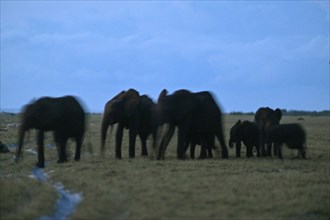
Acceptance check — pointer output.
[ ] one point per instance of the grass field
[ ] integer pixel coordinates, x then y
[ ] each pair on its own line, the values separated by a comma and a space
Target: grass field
141, 188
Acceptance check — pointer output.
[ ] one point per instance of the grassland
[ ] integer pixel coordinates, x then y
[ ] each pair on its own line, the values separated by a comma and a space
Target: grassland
141, 188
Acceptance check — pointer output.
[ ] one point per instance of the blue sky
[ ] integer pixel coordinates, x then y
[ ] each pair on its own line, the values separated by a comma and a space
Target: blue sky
248, 53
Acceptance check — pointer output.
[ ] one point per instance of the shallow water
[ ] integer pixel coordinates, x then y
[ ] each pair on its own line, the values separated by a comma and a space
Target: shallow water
67, 201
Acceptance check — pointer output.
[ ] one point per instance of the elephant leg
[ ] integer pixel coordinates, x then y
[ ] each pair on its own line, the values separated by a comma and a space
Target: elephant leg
78, 148
165, 140
41, 155
279, 150
186, 145
154, 145
144, 146
269, 149
209, 151
61, 146
63, 157
182, 136
262, 144
168, 139
238, 149
119, 138
224, 150
161, 150
158, 143
210, 146
258, 150
202, 154
132, 139
249, 151
275, 150
192, 150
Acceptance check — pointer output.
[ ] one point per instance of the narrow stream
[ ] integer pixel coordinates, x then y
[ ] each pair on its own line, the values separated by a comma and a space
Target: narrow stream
67, 201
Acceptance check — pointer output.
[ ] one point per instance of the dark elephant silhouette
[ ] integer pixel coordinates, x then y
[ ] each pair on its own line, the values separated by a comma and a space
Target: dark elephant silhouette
207, 143
129, 110
193, 114
205, 140
266, 118
246, 132
293, 135
64, 115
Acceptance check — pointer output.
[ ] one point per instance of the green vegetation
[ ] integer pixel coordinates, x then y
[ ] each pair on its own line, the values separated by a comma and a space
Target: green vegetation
141, 188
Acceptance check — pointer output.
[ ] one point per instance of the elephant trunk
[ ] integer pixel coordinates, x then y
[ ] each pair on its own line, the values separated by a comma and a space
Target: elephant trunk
164, 135
21, 136
104, 130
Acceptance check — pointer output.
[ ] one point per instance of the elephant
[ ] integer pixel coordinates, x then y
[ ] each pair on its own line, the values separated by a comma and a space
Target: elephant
266, 118
129, 110
293, 135
193, 114
248, 133
207, 143
63, 115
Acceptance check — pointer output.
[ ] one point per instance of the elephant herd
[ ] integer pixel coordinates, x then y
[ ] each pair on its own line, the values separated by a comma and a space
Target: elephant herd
196, 116
267, 132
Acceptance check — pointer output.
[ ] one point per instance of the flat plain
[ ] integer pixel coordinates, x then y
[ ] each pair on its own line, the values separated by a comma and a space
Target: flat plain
143, 188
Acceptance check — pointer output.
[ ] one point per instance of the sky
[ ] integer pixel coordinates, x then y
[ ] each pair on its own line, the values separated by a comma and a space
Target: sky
249, 54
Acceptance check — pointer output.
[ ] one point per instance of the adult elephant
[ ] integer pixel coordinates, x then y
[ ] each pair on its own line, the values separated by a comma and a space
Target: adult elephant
129, 110
194, 114
266, 118
63, 115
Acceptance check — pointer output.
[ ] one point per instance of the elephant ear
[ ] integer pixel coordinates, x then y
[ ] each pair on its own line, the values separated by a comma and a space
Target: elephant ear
131, 101
117, 98
278, 114
162, 94
130, 106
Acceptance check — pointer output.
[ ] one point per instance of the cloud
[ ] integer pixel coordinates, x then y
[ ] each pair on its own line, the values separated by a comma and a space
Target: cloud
110, 46
266, 60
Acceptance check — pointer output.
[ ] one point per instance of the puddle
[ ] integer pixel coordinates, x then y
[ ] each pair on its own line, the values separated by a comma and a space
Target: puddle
67, 201
32, 152
39, 174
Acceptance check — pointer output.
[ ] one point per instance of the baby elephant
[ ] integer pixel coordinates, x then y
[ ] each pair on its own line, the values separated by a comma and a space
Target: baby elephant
293, 135
246, 132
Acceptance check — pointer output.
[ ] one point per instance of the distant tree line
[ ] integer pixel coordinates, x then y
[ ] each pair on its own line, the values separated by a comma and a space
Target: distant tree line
290, 113
305, 113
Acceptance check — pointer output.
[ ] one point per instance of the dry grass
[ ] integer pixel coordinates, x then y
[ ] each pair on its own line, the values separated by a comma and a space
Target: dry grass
210, 189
